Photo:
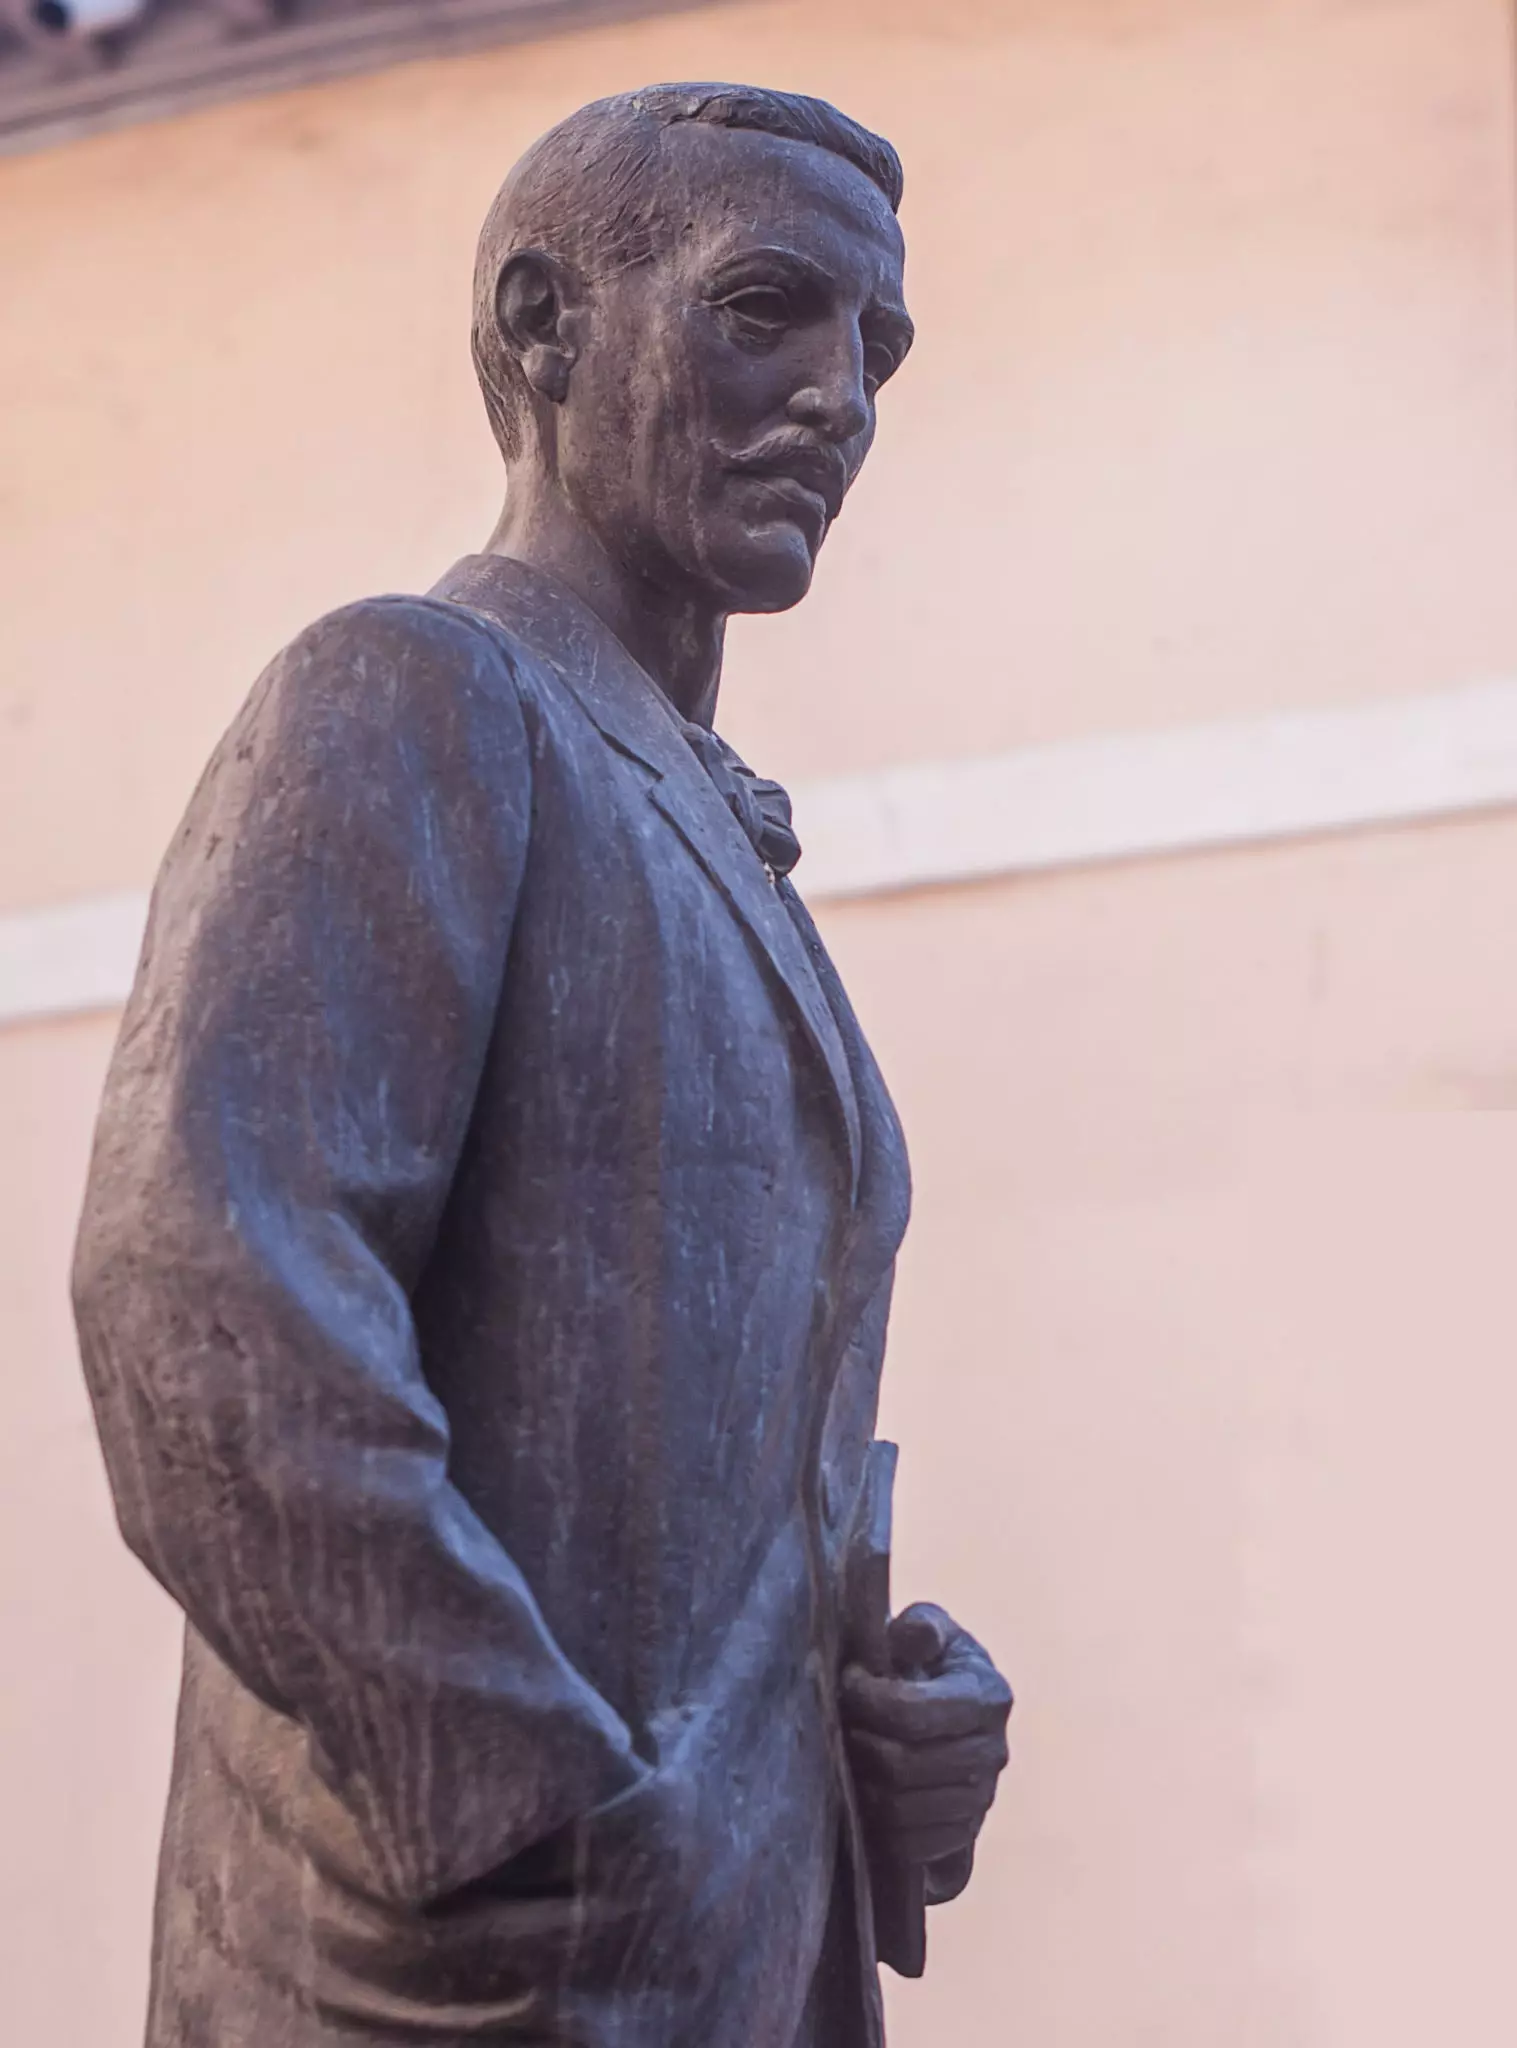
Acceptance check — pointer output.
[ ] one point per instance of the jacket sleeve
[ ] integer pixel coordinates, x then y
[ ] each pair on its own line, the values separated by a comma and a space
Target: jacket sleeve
292, 1086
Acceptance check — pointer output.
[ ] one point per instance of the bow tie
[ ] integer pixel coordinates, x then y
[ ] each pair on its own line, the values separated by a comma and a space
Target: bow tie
762, 808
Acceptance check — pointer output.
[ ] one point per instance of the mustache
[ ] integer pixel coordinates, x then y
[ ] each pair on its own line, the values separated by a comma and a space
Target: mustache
792, 452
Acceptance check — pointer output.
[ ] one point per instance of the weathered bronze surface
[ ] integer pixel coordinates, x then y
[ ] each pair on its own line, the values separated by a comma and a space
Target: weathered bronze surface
483, 1278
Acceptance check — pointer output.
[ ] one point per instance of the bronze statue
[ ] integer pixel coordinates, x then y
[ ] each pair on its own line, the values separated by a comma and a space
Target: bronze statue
483, 1277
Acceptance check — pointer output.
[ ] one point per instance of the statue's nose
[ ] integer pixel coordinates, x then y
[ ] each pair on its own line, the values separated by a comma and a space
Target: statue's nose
835, 404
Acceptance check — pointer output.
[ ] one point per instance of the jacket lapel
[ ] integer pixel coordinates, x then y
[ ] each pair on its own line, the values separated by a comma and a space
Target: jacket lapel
629, 711
884, 1192
690, 803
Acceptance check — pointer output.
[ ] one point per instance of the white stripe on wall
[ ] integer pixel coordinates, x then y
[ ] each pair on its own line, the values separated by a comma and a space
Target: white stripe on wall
70, 957
1118, 797
1121, 797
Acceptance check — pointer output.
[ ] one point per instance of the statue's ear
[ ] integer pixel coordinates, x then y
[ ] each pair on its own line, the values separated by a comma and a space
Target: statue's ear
540, 305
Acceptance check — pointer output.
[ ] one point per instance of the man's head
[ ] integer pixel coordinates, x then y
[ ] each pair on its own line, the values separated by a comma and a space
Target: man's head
685, 301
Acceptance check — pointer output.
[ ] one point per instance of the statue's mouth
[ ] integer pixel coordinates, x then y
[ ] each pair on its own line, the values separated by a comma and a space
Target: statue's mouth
807, 476
803, 505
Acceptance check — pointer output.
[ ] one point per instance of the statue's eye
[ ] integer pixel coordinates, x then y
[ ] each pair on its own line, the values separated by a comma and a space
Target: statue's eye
760, 311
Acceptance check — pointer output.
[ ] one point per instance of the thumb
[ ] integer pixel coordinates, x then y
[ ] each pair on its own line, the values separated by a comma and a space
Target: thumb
920, 1637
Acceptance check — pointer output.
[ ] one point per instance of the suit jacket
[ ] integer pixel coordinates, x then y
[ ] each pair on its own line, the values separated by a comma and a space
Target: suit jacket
482, 1288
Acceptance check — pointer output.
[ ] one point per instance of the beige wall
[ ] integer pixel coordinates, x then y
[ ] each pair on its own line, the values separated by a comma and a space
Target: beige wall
1199, 1356
1201, 1363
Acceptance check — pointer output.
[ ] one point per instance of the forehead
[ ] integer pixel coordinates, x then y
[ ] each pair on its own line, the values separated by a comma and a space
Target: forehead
741, 189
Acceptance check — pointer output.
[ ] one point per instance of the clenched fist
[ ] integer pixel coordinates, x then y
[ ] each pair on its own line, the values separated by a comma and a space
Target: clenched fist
927, 1744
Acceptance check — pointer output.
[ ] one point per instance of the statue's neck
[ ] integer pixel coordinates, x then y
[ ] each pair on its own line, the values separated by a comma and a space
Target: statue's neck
674, 637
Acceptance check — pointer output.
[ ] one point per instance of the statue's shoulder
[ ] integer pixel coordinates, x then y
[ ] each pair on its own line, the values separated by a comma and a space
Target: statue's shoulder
390, 660
377, 635
390, 691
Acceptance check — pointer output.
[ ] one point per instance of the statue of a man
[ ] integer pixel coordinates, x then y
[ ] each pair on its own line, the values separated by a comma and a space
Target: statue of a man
484, 1271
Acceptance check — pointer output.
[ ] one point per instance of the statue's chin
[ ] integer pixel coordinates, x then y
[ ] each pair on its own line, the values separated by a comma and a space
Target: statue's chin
770, 571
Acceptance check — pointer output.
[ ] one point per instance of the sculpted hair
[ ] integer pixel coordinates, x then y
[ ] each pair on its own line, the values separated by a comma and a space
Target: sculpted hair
587, 192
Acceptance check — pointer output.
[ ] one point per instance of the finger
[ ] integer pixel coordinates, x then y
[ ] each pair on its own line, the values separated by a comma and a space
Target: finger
948, 1875
878, 1760
931, 1641
931, 1845
941, 1806
931, 1637
918, 1711
967, 1659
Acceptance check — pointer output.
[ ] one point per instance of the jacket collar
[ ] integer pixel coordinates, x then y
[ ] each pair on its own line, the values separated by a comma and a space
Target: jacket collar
632, 713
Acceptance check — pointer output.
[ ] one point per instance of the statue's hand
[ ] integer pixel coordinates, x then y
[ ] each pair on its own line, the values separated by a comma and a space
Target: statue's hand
927, 1743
